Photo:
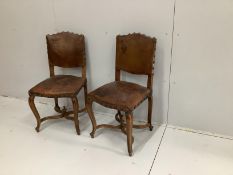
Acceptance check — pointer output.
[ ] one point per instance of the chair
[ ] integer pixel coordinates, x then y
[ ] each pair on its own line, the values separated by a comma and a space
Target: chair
66, 50
134, 54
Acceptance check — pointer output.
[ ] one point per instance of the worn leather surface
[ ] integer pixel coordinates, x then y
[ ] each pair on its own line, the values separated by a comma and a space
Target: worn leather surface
121, 95
66, 49
58, 86
135, 53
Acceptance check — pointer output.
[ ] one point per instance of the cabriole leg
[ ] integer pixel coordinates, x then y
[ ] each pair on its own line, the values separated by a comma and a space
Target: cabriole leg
92, 117
76, 109
129, 126
35, 112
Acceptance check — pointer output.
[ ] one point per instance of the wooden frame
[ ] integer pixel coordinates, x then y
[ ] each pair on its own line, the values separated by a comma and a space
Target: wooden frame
77, 44
128, 64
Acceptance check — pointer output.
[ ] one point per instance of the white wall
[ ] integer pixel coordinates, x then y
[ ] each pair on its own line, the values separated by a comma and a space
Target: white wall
201, 80
202, 68
25, 24
22, 44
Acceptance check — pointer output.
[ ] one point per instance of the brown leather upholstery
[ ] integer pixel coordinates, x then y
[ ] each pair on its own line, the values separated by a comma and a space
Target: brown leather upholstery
66, 49
134, 54
120, 95
58, 86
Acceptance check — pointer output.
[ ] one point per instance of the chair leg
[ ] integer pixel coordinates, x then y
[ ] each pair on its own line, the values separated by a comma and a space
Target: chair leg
150, 106
57, 107
85, 93
129, 126
92, 117
76, 108
35, 111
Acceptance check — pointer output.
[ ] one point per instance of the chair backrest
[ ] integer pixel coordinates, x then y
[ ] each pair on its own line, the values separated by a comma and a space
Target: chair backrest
66, 50
135, 54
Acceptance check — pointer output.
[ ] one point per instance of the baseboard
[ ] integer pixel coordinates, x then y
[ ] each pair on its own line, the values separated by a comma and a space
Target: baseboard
200, 132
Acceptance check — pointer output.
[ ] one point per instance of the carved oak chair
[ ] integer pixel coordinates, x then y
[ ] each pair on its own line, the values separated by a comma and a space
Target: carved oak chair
134, 54
66, 50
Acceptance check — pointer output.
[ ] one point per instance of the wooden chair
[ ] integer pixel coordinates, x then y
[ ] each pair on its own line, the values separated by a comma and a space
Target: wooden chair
134, 54
66, 50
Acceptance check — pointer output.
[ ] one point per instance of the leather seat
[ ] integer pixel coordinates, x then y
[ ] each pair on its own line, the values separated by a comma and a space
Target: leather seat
135, 53
120, 95
58, 86
65, 50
